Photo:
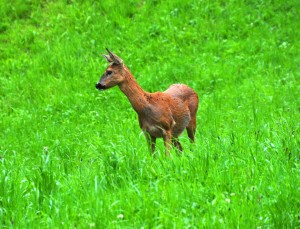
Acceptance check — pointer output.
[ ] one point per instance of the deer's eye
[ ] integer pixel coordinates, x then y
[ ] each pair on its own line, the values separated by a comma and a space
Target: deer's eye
108, 73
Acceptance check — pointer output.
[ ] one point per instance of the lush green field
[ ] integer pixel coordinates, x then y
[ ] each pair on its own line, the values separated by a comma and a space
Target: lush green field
74, 157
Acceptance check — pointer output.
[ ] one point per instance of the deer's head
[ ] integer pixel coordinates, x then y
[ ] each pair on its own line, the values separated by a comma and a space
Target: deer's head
113, 74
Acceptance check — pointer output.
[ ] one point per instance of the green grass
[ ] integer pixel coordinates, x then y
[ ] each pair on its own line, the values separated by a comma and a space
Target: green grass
71, 156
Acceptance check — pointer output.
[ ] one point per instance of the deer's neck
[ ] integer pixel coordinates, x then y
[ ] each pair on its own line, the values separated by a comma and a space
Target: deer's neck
135, 94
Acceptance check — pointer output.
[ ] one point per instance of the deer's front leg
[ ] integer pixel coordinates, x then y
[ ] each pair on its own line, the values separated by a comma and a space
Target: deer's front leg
167, 136
151, 141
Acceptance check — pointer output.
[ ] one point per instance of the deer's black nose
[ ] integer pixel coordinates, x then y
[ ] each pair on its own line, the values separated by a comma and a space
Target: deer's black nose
99, 86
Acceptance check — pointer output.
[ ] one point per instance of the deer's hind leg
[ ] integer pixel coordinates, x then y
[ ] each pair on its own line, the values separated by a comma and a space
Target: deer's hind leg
176, 143
193, 107
191, 129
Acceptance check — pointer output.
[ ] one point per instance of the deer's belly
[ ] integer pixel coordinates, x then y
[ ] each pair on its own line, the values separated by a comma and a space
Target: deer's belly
154, 131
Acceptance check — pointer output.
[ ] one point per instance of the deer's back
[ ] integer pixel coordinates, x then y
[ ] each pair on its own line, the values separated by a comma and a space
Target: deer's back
184, 93
180, 90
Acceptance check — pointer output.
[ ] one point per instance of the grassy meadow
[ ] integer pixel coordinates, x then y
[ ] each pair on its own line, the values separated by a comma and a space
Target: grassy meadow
74, 157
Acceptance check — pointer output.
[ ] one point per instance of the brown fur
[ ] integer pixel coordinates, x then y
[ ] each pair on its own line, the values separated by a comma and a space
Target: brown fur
161, 114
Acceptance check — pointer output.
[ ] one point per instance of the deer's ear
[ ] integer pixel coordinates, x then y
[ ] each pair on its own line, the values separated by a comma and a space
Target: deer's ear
118, 60
115, 58
107, 58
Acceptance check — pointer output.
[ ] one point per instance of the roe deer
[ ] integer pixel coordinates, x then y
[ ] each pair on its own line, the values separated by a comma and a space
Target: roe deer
161, 114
